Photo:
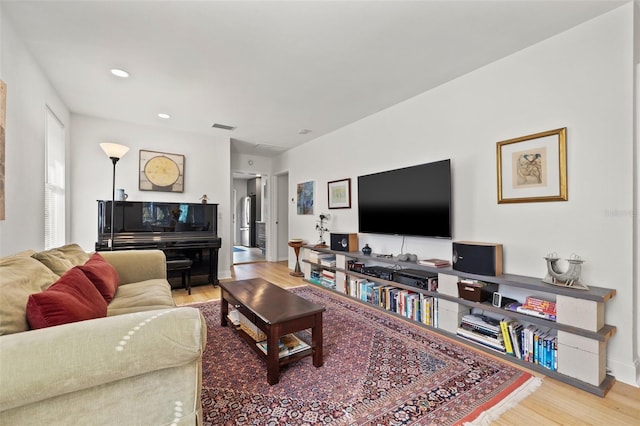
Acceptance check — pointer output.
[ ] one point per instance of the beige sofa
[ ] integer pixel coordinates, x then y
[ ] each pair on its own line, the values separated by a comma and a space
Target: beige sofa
139, 365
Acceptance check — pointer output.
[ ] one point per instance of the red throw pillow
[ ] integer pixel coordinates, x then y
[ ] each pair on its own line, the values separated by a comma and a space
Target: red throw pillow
72, 298
102, 274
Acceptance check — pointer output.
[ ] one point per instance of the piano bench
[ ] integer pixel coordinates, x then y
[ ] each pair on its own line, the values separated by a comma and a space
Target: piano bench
184, 266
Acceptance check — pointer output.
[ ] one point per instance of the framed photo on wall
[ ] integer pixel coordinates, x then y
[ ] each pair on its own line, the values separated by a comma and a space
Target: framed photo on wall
533, 168
161, 171
339, 193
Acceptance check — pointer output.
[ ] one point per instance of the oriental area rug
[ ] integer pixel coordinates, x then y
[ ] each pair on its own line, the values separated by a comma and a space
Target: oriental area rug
378, 370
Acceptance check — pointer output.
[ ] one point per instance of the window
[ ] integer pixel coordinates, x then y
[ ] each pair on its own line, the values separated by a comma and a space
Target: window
54, 188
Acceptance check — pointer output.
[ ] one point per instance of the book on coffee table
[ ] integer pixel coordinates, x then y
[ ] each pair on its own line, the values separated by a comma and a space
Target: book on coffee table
289, 344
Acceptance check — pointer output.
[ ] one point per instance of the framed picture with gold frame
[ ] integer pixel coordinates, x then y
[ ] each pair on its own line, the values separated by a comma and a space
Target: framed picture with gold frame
533, 168
161, 171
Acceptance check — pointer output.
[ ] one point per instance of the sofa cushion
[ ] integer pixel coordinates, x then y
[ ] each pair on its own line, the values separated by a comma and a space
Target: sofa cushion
142, 296
20, 276
61, 259
102, 275
72, 298
54, 260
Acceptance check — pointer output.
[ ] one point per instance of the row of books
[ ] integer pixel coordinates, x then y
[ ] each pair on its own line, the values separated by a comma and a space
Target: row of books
289, 344
413, 305
540, 347
530, 344
323, 277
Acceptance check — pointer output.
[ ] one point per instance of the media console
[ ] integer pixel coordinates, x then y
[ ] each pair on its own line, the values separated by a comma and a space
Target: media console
581, 332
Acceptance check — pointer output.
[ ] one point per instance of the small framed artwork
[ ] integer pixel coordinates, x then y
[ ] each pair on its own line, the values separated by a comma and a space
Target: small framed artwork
161, 171
305, 198
533, 168
339, 193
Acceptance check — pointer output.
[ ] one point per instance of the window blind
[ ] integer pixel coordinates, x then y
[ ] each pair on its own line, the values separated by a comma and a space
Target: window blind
54, 187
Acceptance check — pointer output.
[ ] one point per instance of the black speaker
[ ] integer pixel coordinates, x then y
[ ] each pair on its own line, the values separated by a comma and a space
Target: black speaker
477, 258
344, 242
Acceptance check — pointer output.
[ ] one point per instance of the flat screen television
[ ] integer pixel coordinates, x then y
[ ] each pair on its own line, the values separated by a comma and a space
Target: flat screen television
413, 201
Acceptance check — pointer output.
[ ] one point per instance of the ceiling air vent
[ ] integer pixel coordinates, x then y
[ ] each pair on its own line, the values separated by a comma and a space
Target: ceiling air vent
270, 147
223, 126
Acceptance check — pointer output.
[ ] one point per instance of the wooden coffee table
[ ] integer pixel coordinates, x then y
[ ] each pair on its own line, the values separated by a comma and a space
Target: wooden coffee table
276, 312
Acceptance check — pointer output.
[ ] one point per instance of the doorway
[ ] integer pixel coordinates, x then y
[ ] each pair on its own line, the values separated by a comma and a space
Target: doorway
249, 218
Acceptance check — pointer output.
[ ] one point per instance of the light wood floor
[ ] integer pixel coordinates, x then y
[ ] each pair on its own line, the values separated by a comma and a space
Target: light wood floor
553, 403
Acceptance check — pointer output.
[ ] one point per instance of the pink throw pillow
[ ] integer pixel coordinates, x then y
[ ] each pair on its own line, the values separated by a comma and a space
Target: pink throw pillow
102, 274
72, 298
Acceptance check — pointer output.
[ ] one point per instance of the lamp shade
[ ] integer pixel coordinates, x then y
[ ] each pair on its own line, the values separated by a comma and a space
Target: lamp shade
114, 150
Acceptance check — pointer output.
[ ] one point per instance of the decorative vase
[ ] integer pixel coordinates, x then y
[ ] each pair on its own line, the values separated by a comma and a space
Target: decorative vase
366, 250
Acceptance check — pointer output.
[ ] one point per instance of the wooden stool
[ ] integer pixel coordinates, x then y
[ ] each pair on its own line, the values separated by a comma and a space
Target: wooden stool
184, 266
296, 244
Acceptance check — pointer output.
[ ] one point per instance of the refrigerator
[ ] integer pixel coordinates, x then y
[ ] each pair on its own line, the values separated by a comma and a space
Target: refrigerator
248, 222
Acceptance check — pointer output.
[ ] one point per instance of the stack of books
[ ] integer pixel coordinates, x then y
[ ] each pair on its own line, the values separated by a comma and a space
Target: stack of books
317, 257
316, 276
436, 263
328, 260
483, 330
535, 307
328, 278
288, 345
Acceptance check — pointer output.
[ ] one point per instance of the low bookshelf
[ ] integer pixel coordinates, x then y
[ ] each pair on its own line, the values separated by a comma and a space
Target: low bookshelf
580, 332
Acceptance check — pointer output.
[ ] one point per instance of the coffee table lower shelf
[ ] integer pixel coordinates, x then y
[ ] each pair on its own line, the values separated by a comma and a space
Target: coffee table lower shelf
283, 360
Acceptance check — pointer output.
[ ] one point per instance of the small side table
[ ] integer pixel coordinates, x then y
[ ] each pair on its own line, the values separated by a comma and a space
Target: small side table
184, 266
296, 244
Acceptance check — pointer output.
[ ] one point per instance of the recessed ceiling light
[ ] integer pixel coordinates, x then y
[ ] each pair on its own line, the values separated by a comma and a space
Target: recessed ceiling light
165, 116
119, 73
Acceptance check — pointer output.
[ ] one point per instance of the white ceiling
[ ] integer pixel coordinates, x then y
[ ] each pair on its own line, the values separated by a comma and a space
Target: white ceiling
272, 68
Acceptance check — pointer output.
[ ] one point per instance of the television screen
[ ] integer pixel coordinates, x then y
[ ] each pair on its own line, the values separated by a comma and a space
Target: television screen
409, 201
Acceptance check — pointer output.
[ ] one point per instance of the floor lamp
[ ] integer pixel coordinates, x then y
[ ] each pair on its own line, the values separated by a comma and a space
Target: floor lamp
115, 152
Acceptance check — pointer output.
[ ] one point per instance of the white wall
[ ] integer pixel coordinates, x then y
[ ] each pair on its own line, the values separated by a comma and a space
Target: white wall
28, 95
581, 79
206, 172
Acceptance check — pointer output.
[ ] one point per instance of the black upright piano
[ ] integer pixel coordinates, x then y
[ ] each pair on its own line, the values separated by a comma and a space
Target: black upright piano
178, 229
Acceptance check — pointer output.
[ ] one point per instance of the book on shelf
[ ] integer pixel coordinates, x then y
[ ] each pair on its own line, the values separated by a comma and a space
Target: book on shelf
289, 344
328, 274
481, 339
234, 316
329, 261
531, 312
483, 321
436, 263
540, 305
315, 256
479, 330
515, 328
506, 337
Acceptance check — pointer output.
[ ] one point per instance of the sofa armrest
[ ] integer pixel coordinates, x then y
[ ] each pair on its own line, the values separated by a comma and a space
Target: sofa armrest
137, 265
39, 364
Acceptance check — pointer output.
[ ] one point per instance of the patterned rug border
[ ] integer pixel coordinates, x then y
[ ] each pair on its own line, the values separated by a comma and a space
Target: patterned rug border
491, 410
516, 389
